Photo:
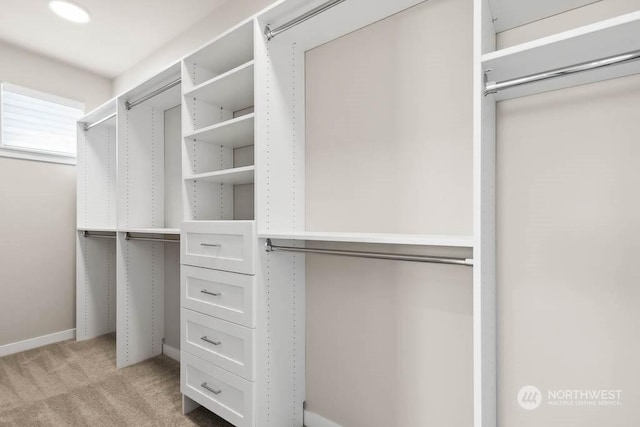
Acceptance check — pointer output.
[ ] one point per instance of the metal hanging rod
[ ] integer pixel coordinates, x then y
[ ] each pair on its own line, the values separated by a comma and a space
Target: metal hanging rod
88, 126
269, 33
494, 87
129, 105
269, 247
85, 233
128, 236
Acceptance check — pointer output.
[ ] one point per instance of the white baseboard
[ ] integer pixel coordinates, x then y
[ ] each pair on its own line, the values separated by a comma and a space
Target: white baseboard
171, 352
36, 342
312, 419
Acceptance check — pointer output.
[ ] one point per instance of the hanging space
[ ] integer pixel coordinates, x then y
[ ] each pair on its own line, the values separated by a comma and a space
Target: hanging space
365, 211
96, 215
559, 113
149, 217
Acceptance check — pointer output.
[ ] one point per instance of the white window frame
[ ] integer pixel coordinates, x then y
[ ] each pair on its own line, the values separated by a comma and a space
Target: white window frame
36, 154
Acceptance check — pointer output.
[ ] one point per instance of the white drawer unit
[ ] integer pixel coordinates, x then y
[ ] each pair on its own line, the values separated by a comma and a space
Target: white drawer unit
228, 296
221, 245
223, 393
222, 343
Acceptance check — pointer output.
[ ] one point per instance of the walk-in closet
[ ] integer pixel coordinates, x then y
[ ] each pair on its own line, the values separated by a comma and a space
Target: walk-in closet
319, 213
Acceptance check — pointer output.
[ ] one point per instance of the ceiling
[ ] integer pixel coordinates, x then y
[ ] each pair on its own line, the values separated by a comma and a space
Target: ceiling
120, 34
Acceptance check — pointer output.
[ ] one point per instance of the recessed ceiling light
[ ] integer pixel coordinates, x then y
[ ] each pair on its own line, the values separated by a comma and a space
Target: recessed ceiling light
70, 11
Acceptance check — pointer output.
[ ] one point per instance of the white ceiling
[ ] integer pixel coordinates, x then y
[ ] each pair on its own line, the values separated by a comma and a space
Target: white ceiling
120, 34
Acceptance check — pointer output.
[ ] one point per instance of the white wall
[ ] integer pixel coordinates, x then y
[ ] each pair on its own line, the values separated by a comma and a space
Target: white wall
389, 140
223, 18
38, 209
568, 222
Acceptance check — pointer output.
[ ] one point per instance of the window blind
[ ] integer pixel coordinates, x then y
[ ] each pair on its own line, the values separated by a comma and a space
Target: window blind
37, 122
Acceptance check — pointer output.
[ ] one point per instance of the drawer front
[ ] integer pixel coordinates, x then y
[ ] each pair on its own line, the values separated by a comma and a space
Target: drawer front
223, 393
227, 296
222, 343
221, 245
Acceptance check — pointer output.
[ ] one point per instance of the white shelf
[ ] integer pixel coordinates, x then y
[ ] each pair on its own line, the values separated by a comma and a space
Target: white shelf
238, 132
602, 39
232, 90
100, 112
382, 238
97, 229
151, 230
513, 13
235, 176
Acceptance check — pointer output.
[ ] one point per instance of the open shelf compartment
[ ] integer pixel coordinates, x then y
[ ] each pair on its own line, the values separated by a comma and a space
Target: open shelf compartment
226, 52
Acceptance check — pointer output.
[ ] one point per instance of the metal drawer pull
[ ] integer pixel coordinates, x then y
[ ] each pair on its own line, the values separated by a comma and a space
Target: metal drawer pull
206, 387
212, 245
215, 294
211, 342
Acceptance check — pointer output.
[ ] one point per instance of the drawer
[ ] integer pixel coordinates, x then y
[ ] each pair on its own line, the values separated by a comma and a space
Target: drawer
221, 392
221, 245
227, 296
222, 343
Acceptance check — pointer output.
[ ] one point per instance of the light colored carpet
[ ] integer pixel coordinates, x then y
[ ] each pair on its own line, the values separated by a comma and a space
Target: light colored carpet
77, 384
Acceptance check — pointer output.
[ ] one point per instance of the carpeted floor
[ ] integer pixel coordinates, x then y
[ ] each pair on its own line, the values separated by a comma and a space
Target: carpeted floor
77, 384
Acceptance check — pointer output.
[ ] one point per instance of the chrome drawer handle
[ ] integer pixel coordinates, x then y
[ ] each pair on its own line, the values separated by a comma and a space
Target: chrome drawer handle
212, 245
215, 294
210, 341
206, 387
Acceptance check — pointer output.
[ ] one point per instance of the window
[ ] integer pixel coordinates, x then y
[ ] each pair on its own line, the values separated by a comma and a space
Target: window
38, 126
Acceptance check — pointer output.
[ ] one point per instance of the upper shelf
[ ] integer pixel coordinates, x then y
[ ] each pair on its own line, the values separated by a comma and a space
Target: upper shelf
105, 110
509, 14
382, 238
232, 90
591, 42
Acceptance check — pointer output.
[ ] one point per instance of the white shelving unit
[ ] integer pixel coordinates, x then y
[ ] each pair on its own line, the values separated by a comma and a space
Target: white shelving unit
96, 257
130, 183
243, 127
218, 239
150, 198
218, 123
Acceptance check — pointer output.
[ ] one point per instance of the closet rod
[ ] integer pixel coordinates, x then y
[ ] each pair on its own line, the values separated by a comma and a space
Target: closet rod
128, 236
269, 247
88, 126
85, 233
130, 105
269, 33
495, 87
